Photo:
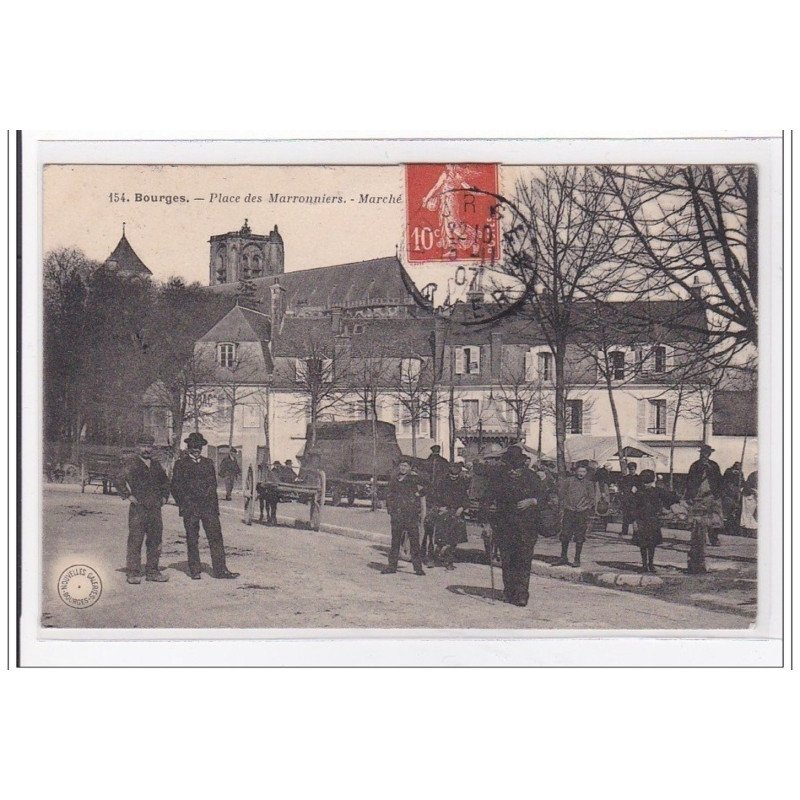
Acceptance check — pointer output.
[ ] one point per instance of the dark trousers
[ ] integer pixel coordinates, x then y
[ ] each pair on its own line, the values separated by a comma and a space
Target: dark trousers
213, 529
229, 481
410, 526
144, 525
516, 539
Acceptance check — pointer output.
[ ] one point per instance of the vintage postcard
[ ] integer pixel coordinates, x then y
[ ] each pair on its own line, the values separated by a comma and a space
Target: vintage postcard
463, 391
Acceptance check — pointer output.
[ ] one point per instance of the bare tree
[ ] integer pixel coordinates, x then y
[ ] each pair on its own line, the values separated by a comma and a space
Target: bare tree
523, 395
561, 248
412, 387
691, 226
322, 382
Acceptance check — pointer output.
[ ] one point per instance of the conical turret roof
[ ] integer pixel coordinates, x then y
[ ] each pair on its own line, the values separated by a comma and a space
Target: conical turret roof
124, 259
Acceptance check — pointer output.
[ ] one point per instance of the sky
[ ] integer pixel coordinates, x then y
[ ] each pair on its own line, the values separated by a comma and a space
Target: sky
83, 209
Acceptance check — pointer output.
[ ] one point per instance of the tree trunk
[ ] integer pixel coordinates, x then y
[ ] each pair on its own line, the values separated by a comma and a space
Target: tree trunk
374, 487
615, 418
413, 437
672, 440
451, 421
233, 417
561, 418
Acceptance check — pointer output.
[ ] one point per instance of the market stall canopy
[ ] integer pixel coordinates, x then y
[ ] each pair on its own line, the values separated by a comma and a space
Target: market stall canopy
602, 449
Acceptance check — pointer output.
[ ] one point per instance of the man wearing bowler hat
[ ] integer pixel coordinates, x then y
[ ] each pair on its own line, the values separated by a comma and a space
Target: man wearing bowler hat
194, 487
518, 494
146, 485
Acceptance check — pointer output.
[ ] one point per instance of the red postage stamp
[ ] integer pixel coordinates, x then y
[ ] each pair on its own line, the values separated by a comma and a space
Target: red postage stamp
451, 212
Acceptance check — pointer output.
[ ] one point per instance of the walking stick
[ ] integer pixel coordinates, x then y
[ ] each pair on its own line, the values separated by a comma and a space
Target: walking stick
491, 559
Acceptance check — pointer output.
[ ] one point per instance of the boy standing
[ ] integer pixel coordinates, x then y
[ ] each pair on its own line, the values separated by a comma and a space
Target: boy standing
577, 506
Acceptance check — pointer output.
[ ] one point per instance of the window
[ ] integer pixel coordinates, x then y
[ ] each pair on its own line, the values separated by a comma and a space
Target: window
574, 416
224, 408
657, 419
403, 420
468, 360
545, 366
616, 363
226, 354
410, 369
470, 413
659, 359
251, 417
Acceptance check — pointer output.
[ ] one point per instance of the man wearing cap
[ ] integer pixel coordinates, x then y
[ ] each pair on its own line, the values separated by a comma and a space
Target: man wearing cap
577, 498
518, 494
194, 487
230, 470
146, 485
404, 504
703, 492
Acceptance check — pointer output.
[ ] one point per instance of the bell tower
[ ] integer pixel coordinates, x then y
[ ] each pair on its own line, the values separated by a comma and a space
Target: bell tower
243, 255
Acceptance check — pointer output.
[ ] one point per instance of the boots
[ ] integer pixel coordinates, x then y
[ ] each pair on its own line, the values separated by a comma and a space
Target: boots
563, 560
645, 567
651, 554
578, 548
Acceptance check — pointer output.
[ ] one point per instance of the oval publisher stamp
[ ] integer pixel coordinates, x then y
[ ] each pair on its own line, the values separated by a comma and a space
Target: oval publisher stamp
80, 586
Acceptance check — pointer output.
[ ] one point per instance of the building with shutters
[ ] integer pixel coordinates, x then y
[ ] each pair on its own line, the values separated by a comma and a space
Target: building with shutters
480, 385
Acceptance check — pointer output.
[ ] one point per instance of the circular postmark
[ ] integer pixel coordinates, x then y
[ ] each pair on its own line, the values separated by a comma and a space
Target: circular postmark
80, 586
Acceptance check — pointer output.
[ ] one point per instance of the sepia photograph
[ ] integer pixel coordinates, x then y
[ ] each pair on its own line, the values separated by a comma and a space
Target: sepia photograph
418, 396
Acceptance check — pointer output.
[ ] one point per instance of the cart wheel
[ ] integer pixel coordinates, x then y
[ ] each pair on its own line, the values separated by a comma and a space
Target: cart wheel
336, 495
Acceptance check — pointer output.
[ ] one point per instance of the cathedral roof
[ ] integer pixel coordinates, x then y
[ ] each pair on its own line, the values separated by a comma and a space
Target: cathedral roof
124, 259
356, 284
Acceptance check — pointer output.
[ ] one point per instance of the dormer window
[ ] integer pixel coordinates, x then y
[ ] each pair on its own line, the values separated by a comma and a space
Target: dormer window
226, 354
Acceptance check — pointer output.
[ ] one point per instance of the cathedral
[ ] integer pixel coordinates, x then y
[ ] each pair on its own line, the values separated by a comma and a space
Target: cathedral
242, 255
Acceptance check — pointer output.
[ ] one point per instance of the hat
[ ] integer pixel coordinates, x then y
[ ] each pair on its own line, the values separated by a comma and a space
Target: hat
195, 439
435, 448
233, 450
706, 448
514, 455
455, 466
647, 476
145, 438
631, 465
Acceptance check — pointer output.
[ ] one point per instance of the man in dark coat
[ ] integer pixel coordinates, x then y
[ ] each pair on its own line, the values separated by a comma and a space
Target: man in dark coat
229, 470
404, 504
518, 494
704, 493
194, 487
451, 499
628, 486
145, 483
436, 466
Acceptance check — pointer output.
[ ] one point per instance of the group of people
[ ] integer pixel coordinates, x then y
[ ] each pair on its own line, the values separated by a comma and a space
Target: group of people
194, 487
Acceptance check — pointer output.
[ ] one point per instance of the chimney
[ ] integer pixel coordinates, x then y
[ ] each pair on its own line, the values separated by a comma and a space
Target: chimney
336, 320
277, 305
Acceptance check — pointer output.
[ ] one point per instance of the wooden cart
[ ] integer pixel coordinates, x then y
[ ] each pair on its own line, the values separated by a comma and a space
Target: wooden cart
311, 486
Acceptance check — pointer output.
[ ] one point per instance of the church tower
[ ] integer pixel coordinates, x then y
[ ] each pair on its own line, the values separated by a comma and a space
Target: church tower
241, 255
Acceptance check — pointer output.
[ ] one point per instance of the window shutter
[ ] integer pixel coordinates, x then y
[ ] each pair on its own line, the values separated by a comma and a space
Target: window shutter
669, 360
327, 370
530, 366
586, 426
299, 370
669, 418
640, 357
641, 415
460, 355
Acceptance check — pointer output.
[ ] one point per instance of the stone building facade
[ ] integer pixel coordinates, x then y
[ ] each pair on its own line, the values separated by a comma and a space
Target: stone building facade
244, 255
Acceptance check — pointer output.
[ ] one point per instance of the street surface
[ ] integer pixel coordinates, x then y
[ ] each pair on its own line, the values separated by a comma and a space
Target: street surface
294, 578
